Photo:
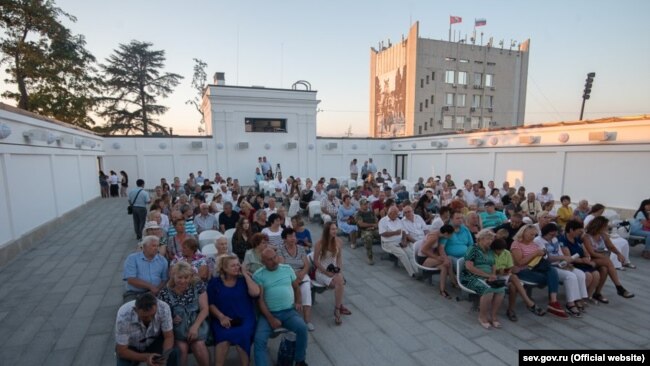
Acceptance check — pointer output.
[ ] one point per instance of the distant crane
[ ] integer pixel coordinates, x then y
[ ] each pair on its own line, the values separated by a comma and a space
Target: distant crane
348, 133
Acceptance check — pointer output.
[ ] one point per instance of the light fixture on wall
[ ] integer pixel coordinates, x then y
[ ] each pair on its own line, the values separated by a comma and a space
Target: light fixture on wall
162, 145
602, 136
354, 146
116, 145
382, 146
67, 139
494, 140
414, 145
528, 139
310, 146
267, 146
78, 142
5, 131
50, 138
475, 142
220, 145
563, 137
399, 145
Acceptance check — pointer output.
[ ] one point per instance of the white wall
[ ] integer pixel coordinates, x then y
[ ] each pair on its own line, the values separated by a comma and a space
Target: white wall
41, 180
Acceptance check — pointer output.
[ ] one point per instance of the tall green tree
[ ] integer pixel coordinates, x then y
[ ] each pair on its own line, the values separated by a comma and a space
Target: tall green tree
54, 74
199, 81
133, 81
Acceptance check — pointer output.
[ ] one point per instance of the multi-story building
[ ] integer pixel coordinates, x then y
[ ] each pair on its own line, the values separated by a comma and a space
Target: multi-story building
421, 86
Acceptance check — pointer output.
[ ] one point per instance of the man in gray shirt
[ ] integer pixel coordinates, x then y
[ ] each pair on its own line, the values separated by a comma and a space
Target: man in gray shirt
139, 198
205, 220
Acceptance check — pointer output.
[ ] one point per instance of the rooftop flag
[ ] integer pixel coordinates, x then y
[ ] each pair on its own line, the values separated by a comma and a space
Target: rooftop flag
454, 19
480, 22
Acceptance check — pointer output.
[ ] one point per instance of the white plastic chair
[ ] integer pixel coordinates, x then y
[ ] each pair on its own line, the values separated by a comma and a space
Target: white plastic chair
425, 270
314, 209
209, 250
208, 197
229, 234
208, 237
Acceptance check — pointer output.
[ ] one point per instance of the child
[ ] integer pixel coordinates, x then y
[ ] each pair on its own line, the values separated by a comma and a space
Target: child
503, 265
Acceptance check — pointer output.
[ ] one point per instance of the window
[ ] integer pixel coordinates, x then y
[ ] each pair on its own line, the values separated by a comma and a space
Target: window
425, 126
431, 99
420, 107
447, 122
462, 78
463, 61
476, 122
419, 130
489, 80
460, 121
450, 59
460, 100
491, 64
478, 78
489, 101
265, 125
449, 76
478, 62
449, 99
487, 121
421, 83
430, 122
433, 76
427, 79
476, 101
426, 103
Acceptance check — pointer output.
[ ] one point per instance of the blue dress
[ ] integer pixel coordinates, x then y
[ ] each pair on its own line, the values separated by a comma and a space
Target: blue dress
342, 219
234, 302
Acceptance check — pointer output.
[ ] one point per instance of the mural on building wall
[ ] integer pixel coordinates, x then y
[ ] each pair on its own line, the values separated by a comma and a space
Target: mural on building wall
390, 103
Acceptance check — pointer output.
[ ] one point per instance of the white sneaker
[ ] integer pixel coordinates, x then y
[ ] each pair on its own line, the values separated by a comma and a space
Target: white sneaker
310, 327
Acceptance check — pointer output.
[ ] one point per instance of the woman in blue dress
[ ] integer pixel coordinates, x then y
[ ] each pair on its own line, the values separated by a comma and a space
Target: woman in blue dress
345, 220
231, 296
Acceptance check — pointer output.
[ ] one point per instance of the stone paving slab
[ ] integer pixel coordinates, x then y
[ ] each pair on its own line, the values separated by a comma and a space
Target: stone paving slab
58, 302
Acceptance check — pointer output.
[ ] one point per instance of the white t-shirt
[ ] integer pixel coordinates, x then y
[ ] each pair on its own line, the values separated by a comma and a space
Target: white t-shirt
416, 228
385, 225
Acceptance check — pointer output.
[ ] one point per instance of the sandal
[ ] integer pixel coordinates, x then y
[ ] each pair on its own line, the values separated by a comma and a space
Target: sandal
445, 294
592, 301
344, 310
573, 311
485, 325
536, 310
511, 315
629, 265
581, 306
496, 324
600, 298
621, 291
337, 316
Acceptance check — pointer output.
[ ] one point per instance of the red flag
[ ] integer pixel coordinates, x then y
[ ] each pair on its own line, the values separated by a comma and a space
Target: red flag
454, 19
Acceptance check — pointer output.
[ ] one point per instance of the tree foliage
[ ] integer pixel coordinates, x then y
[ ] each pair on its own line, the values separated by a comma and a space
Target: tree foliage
54, 73
133, 81
199, 81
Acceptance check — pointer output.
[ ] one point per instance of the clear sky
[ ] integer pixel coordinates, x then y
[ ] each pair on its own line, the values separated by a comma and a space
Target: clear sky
275, 43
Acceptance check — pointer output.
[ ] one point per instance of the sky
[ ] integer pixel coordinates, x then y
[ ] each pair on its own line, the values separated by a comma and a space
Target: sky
275, 43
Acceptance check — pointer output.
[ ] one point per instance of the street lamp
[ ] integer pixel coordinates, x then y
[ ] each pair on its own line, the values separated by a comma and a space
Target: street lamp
586, 94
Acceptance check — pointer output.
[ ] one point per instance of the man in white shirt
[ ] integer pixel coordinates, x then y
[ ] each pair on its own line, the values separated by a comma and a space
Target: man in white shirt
375, 195
414, 225
391, 231
226, 195
481, 200
271, 209
319, 192
372, 168
468, 192
354, 170
329, 207
544, 196
505, 188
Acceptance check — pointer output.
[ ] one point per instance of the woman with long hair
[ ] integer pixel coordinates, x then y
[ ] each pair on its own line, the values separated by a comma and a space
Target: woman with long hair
329, 267
240, 238
124, 183
103, 184
622, 245
114, 184
641, 226
597, 244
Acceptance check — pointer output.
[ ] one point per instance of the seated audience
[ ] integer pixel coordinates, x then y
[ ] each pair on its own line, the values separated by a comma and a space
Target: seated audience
190, 254
414, 226
640, 226
144, 271
392, 235
260, 222
367, 223
511, 227
329, 206
240, 238
231, 296
204, 220
345, 220
491, 217
430, 253
295, 256
460, 240
572, 246
622, 245
175, 243
228, 218
185, 294
274, 230
253, 257
565, 212
302, 233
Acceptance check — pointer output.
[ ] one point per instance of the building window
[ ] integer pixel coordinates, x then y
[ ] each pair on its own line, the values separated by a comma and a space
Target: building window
450, 59
427, 79
462, 78
431, 122
419, 130
491, 64
433, 76
449, 76
460, 121
420, 107
487, 121
449, 100
476, 101
425, 125
431, 99
421, 83
426, 103
478, 62
478, 78
448, 122
265, 125
489, 101
476, 122
460, 100
463, 61
489, 80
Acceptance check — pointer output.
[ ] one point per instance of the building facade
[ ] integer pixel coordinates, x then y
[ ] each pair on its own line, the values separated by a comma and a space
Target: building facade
423, 86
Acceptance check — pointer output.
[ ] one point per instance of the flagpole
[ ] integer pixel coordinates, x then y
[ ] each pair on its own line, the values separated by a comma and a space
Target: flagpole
450, 28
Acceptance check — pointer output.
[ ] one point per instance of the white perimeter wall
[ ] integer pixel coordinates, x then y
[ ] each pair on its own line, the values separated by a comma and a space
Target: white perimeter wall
40, 181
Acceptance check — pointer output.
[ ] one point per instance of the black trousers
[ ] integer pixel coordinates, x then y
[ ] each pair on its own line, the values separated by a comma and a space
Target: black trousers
115, 190
139, 219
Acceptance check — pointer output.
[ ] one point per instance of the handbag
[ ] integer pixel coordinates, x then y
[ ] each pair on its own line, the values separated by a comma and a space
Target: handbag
287, 350
498, 283
188, 314
129, 208
539, 264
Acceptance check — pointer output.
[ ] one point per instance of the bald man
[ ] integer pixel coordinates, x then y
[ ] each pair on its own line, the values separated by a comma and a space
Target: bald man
392, 235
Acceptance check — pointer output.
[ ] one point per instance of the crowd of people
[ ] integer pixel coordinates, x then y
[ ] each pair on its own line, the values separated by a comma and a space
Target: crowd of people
178, 299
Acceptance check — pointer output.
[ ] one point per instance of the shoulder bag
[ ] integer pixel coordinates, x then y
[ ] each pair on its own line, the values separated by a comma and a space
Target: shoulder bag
129, 208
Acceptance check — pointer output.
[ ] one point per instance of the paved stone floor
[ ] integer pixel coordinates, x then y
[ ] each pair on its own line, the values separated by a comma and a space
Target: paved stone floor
58, 303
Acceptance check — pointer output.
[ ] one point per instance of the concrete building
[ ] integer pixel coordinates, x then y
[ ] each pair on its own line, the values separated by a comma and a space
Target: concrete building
422, 86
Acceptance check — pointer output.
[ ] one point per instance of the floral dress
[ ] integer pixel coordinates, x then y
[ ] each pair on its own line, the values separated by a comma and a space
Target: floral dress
483, 261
